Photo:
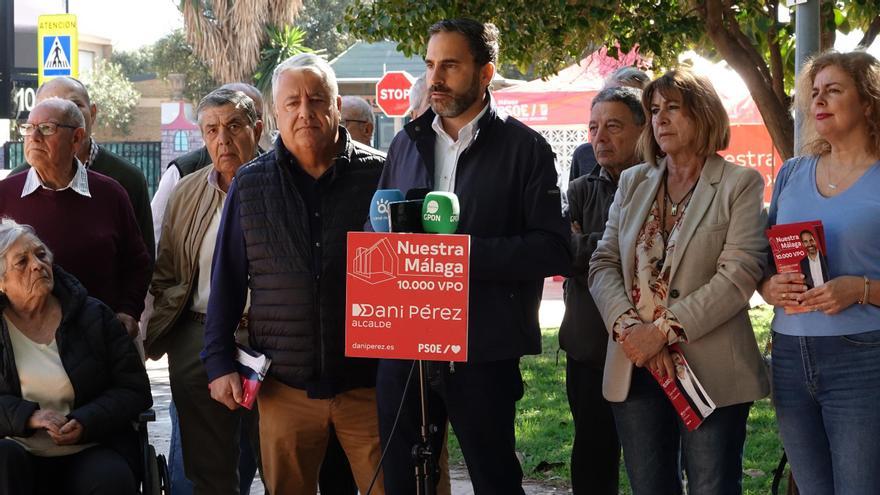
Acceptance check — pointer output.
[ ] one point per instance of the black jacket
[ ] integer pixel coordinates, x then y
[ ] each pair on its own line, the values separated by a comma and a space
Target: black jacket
510, 205
808, 274
582, 334
583, 161
109, 380
297, 317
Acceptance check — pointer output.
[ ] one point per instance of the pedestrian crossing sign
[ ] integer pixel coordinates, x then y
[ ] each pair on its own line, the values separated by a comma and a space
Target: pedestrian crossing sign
57, 47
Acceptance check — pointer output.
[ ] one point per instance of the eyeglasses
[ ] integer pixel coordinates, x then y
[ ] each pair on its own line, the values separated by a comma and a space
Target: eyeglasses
46, 128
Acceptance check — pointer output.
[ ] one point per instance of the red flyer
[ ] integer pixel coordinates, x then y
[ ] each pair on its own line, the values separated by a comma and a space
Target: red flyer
407, 296
685, 391
800, 248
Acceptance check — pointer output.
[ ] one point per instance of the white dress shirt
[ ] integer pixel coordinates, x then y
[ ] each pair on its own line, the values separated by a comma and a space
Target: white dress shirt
167, 184
816, 270
79, 184
447, 151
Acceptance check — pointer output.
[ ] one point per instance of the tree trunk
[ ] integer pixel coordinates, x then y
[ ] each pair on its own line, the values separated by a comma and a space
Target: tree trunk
742, 56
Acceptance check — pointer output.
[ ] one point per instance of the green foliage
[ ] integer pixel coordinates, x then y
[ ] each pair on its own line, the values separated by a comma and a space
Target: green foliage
173, 55
324, 30
546, 38
115, 95
561, 31
282, 43
135, 63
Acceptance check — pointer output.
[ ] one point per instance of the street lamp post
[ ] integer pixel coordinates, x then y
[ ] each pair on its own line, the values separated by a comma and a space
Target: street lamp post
807, 35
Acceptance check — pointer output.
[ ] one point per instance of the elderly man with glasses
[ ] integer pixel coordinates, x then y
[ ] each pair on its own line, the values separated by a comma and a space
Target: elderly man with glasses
84, 217
99, 158
357, 117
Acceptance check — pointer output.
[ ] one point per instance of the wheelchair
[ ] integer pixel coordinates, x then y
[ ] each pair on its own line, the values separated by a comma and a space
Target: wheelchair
156, 480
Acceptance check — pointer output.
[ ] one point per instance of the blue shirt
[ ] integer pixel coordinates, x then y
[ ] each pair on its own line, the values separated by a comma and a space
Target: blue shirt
852, 238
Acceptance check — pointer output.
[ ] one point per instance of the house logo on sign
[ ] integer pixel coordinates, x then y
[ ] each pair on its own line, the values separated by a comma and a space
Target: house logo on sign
375, 264
56, 50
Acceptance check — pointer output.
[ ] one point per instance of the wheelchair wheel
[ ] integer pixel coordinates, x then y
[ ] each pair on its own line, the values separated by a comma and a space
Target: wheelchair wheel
164, 475
152, 481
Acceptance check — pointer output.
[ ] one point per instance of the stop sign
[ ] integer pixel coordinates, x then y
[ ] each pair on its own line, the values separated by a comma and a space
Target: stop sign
392, 93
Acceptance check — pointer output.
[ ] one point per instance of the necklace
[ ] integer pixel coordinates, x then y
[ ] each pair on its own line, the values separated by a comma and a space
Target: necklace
684, 201
842, 180
673, 210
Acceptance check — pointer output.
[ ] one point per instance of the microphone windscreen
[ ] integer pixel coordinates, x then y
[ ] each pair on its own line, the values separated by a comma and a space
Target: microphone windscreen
440, 212
379, 208
406, 216
417, 193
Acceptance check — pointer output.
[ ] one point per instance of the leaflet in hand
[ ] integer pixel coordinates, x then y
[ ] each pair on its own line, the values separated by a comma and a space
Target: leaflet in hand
800, 248
252, 367
685, 392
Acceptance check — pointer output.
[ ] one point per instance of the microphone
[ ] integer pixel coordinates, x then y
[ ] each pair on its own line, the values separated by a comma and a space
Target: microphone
406, 216
379, 208
440, 212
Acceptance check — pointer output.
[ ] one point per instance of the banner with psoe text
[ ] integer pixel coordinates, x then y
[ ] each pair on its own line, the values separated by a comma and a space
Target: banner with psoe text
407, 296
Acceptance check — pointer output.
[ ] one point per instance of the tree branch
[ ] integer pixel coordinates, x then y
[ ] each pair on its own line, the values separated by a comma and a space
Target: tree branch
777, 69
827, 36
745, 60
870, 33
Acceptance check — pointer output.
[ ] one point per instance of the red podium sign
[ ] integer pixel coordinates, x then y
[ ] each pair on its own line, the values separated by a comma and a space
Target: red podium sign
407, 296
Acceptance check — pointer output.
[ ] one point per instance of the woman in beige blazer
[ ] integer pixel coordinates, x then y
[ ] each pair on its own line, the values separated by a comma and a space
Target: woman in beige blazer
682, 253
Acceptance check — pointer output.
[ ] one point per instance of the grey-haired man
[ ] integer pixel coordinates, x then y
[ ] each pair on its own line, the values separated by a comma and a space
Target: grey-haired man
283, 235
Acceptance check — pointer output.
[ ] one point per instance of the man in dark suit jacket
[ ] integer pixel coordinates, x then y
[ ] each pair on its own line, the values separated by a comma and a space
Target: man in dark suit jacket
817, 274
100, 160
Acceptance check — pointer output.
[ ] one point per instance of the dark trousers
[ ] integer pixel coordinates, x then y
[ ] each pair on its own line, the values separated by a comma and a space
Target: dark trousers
595, 455
210, 434
335, 477
479, 399
94, 471
656, 444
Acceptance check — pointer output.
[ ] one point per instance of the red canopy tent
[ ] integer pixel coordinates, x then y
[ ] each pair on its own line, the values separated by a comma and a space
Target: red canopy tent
563, 103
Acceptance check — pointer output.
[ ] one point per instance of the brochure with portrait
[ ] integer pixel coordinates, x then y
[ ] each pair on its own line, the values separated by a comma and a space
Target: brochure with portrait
685, 392
252, 367
800, 248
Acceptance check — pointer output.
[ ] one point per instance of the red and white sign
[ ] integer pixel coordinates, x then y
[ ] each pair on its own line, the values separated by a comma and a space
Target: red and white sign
407, 296
392, 93
557, 108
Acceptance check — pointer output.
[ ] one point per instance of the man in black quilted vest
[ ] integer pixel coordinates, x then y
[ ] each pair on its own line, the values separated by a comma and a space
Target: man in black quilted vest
283, 234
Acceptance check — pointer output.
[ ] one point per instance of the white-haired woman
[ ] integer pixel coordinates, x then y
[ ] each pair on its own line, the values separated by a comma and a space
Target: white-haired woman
71, 380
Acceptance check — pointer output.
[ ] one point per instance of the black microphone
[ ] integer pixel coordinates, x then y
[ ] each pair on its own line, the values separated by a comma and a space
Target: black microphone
406, 216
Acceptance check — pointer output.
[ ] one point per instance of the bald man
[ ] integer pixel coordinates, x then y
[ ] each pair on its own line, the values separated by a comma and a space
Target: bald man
98, 159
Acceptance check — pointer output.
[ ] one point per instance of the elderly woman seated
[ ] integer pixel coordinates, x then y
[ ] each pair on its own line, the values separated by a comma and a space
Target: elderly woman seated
71, 380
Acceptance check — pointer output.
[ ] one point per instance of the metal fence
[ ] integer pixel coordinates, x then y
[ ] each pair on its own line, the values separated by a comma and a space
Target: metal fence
147, 156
